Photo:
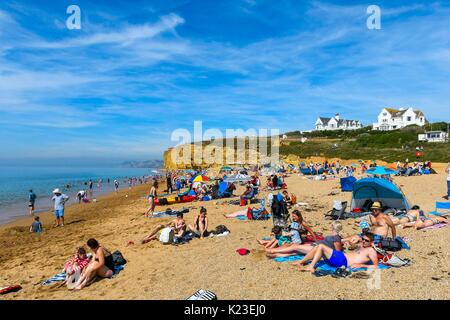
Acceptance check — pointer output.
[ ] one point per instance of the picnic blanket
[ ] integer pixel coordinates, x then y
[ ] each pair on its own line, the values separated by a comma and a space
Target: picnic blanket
62, 276
436, 226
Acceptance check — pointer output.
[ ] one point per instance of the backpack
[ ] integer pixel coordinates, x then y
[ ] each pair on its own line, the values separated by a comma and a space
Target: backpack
118, 258
293, 198
221, 229
166, 235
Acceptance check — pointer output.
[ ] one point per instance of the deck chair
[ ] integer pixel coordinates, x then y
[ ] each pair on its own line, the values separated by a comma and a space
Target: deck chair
445, 206
338, 211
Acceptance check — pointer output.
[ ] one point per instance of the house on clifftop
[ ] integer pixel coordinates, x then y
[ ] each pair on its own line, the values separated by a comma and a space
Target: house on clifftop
336, 123
393, 119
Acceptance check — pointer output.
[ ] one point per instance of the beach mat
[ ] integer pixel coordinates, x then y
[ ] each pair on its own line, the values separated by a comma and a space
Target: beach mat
62, 276
322, 265
245, 218
436, 226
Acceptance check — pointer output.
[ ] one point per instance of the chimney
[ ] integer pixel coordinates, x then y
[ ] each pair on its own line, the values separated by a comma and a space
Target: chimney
337, 116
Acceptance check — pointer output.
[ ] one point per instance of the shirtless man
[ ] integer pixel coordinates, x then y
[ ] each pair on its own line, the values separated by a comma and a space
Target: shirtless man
178, 225
380, 224
364, 257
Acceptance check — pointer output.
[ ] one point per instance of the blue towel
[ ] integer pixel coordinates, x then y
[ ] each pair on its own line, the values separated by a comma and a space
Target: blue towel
56, 278
322, 265
403, 243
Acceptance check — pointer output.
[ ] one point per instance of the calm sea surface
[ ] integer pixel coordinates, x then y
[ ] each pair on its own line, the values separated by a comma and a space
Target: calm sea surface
16, 181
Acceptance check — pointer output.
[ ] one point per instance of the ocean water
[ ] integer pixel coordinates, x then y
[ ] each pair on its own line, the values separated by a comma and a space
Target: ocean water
15, 182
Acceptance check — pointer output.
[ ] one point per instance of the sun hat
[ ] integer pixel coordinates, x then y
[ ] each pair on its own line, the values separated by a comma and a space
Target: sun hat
376, 205
56, 191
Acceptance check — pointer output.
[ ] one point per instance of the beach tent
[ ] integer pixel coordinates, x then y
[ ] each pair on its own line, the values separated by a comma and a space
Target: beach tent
347, 183
238, 178
225, 168
377, 189
380, 170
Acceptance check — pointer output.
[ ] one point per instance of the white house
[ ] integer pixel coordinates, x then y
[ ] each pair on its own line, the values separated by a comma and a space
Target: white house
336, 123
393, 119
434, 136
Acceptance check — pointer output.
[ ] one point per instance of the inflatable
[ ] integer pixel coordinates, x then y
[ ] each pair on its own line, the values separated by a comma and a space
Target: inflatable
174, 199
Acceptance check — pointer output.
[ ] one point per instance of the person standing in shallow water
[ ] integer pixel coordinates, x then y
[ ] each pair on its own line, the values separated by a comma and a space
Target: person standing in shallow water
31, 201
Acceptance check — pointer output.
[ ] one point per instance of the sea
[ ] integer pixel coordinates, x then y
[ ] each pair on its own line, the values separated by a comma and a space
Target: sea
15, 183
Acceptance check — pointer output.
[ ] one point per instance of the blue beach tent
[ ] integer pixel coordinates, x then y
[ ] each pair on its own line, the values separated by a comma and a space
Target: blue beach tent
347, 183
377, 189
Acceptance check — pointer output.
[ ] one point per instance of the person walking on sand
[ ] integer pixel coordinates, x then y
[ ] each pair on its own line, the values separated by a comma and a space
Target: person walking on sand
448, 181
91, 191
116, 185
31, 201
151, 199
59, 199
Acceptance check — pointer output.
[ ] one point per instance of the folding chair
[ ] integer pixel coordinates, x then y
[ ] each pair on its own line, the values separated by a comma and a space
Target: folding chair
443, 206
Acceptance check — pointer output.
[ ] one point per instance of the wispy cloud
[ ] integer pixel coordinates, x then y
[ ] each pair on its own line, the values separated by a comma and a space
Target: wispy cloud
158, 70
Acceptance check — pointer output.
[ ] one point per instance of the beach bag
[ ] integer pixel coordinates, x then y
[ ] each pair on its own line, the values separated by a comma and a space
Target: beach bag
163, 202
166, 235
221, 229
390, 244
203, 295
390, 259
293, 198
118, 258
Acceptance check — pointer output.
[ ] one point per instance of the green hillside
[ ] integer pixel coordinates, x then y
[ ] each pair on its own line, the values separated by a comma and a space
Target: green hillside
367, 144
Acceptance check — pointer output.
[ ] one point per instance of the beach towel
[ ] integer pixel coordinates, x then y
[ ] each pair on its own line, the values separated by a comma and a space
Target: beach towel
436, 226
322, 265
62, 276
56, 278
266, 216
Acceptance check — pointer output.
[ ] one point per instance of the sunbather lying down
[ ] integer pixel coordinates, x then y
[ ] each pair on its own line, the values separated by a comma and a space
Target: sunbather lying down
332, 241
178, 225
424, 222
365, 257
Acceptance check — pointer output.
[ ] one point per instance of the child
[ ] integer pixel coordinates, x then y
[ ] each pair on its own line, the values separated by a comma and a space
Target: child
278, 240
36, 226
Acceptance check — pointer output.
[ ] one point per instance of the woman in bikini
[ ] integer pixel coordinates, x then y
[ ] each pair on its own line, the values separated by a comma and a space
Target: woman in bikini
411, 216
200, 227
151, 199
422, 221
101, 265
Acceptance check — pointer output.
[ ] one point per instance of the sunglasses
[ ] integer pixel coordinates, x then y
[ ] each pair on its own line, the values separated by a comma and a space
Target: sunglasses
366, 240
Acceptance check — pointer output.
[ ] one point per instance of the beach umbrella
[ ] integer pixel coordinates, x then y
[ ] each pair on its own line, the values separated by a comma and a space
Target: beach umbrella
201, 178
380, 170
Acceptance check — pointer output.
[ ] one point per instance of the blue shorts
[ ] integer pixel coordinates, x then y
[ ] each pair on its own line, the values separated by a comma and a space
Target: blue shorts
337, 259
59, 213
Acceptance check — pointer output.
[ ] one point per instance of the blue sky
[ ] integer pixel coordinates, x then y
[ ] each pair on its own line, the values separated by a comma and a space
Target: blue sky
136, 71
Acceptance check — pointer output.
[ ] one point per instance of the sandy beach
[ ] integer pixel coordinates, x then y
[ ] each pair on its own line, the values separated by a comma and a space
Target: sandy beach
157, 271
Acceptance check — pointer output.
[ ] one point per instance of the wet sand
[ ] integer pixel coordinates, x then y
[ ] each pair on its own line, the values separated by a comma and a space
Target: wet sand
157, 271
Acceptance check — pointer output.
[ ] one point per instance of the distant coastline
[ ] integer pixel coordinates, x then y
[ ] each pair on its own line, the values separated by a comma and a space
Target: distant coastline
142, 164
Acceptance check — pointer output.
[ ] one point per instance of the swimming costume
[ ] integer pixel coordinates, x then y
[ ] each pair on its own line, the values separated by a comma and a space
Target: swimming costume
337, 259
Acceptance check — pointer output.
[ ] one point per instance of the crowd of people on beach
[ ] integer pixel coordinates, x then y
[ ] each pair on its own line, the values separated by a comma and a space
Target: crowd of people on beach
291, 234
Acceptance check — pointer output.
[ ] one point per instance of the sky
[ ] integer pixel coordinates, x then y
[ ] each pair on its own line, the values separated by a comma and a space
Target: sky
118, 87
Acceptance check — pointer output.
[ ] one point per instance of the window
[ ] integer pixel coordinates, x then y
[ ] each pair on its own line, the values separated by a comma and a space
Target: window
408, 119
384, 113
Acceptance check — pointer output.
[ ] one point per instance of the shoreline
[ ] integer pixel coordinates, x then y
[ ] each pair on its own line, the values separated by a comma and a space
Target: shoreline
45, 214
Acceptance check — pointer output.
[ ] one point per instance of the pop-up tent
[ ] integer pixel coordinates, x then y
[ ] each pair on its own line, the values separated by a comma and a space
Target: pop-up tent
347, 183
377, 189
238, 178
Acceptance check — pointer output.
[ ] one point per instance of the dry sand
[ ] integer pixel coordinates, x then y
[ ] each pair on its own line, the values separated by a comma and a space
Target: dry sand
156, 271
